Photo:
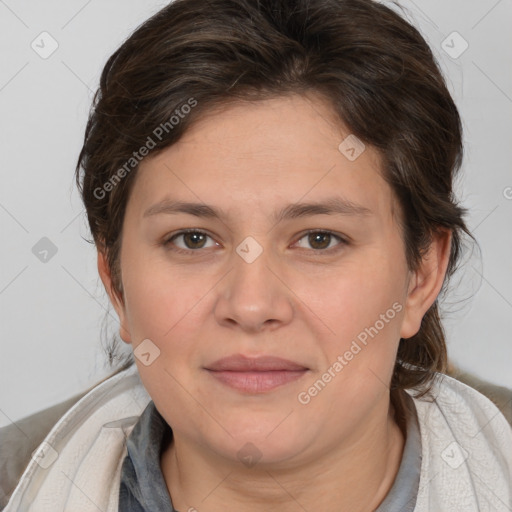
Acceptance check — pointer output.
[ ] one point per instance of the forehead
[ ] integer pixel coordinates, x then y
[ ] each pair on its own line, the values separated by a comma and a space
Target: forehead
265, 153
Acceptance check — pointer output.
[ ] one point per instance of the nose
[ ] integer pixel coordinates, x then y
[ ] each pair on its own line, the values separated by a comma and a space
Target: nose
253, 296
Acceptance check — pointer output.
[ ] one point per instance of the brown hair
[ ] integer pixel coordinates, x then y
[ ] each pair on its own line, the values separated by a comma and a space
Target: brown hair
372, 66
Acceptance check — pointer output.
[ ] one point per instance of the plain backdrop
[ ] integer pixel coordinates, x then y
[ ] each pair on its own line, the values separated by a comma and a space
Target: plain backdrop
51, 312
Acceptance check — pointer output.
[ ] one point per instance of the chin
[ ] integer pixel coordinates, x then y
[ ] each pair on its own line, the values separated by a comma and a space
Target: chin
263, 446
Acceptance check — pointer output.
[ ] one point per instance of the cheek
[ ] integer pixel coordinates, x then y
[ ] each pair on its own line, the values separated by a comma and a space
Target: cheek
364, 310
164, 306
161, 306
162, 301
359, 295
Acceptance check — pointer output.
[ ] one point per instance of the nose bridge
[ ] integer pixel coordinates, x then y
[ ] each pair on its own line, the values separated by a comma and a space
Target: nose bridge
251, 295
251, 273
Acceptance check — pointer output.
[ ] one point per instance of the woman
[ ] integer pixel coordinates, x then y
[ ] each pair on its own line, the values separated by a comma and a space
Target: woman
269, 187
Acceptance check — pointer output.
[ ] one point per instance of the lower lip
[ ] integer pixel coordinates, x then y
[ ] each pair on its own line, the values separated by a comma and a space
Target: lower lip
257, 382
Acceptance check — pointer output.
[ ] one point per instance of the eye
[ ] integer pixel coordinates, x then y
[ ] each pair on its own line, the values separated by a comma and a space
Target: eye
191, 238
322, 240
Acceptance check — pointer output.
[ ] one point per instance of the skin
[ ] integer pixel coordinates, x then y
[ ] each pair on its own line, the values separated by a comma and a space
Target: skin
298, 300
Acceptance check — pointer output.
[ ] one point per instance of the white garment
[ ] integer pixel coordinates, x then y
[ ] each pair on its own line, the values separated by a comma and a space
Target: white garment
466, 452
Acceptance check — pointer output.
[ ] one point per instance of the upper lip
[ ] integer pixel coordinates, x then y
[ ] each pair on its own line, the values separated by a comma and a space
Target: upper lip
241, 363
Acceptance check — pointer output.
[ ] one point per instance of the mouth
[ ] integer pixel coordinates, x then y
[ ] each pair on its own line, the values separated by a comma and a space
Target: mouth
255, 375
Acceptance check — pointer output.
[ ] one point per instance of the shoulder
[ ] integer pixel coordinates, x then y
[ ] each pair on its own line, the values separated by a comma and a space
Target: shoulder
465, 409
501, 396
19, 440
466, 447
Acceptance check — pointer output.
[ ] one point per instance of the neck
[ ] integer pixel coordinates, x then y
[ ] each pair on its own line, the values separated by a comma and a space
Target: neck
355, 475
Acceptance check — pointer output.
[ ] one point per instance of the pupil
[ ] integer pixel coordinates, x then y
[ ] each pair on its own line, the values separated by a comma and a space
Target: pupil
314, 237
322, 238
195, 238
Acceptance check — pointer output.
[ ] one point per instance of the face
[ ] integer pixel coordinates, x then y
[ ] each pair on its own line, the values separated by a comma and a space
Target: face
260, 274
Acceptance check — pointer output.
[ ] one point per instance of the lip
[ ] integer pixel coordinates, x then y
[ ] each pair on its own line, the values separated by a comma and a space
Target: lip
241, 363
255, 375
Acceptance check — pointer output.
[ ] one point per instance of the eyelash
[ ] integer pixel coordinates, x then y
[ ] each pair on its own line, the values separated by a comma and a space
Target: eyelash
168, 241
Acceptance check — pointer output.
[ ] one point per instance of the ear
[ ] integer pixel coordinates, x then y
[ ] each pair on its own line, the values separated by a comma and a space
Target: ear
117, 302
426, 283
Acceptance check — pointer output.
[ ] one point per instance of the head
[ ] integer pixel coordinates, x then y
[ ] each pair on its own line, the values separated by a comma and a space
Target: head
248, 109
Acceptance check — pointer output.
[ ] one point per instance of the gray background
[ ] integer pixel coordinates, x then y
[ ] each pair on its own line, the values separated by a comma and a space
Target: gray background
51, 311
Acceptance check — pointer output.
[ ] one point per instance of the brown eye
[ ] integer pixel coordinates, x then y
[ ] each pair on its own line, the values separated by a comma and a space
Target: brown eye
190, 240
194, 240
321, 240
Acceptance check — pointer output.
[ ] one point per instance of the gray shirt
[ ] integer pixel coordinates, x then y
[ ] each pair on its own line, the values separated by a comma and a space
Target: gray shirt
143, 488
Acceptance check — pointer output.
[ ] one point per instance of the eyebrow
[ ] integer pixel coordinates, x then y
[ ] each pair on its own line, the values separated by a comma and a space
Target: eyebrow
329, 206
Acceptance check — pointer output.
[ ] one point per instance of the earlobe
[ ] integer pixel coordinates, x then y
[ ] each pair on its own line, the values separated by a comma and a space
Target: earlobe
106, 278
426, 283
